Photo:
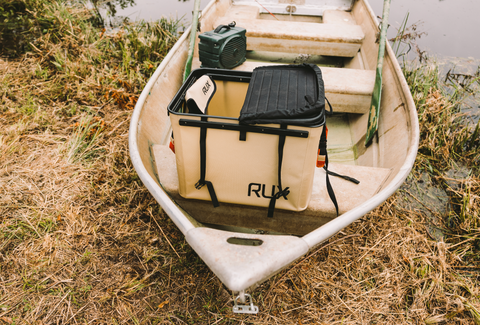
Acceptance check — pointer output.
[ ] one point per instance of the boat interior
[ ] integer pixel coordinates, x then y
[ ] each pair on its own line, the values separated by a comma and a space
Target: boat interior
342, 42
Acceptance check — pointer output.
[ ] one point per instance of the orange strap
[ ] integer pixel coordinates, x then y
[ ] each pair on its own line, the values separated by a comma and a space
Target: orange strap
322, 148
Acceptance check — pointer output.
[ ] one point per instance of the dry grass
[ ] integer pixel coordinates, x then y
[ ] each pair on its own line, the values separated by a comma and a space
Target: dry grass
82, 240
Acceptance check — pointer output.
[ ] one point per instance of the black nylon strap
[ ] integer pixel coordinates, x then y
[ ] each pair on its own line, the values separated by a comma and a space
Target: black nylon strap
322, 145
329, 105
323, 151
203, 166
213, 195
345, 177
281, 192
329, 186
203, 156
243, 136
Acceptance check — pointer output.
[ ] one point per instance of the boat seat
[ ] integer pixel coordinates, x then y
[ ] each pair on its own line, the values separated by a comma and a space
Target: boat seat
343, 40
338, 17
348, 90
319, 211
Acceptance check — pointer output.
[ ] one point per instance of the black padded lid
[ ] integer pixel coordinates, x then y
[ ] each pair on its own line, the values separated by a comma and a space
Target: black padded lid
285, 94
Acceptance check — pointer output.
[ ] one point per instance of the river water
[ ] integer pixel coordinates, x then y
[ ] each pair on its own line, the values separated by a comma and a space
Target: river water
452, 26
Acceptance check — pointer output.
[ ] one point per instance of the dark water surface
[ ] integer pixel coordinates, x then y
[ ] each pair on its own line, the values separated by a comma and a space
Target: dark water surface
452, 27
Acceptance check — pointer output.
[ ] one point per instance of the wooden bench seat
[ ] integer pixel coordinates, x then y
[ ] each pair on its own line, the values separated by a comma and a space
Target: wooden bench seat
343, 40
338, 17
320, 210
348, 90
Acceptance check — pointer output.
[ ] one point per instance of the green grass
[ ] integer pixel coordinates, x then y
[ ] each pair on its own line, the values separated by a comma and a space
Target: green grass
449, 142
83, 144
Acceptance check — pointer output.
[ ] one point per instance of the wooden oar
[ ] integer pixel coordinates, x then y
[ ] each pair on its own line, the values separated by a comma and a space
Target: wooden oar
193, 37
377, 90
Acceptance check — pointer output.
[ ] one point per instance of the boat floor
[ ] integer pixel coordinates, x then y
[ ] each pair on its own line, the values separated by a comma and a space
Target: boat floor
319, 211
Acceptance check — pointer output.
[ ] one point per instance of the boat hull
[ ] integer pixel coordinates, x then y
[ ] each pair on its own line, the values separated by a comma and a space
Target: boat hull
241, 267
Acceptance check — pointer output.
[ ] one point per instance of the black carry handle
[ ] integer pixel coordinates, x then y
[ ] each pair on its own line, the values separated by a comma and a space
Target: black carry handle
219, 28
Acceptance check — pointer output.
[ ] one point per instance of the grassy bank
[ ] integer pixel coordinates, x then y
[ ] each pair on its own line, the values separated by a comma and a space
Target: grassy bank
82, 240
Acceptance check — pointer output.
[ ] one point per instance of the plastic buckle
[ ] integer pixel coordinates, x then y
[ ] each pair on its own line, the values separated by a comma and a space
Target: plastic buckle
245, 309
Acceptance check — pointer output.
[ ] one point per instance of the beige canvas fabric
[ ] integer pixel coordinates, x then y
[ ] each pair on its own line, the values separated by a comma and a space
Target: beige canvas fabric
245, 172
228, 99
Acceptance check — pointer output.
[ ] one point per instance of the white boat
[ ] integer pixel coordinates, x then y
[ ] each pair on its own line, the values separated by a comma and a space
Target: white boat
239, 243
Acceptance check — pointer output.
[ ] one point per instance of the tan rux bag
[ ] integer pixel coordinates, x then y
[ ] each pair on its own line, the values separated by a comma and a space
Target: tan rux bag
248, 138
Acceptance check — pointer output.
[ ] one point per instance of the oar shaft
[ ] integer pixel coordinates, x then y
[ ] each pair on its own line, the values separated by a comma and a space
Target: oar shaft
383, 34
193, 37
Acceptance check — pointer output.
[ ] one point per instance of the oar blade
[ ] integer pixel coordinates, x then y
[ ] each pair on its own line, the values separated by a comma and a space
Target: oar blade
374, 113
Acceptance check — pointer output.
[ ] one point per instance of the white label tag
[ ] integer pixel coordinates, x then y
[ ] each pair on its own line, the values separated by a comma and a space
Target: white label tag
201, 92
